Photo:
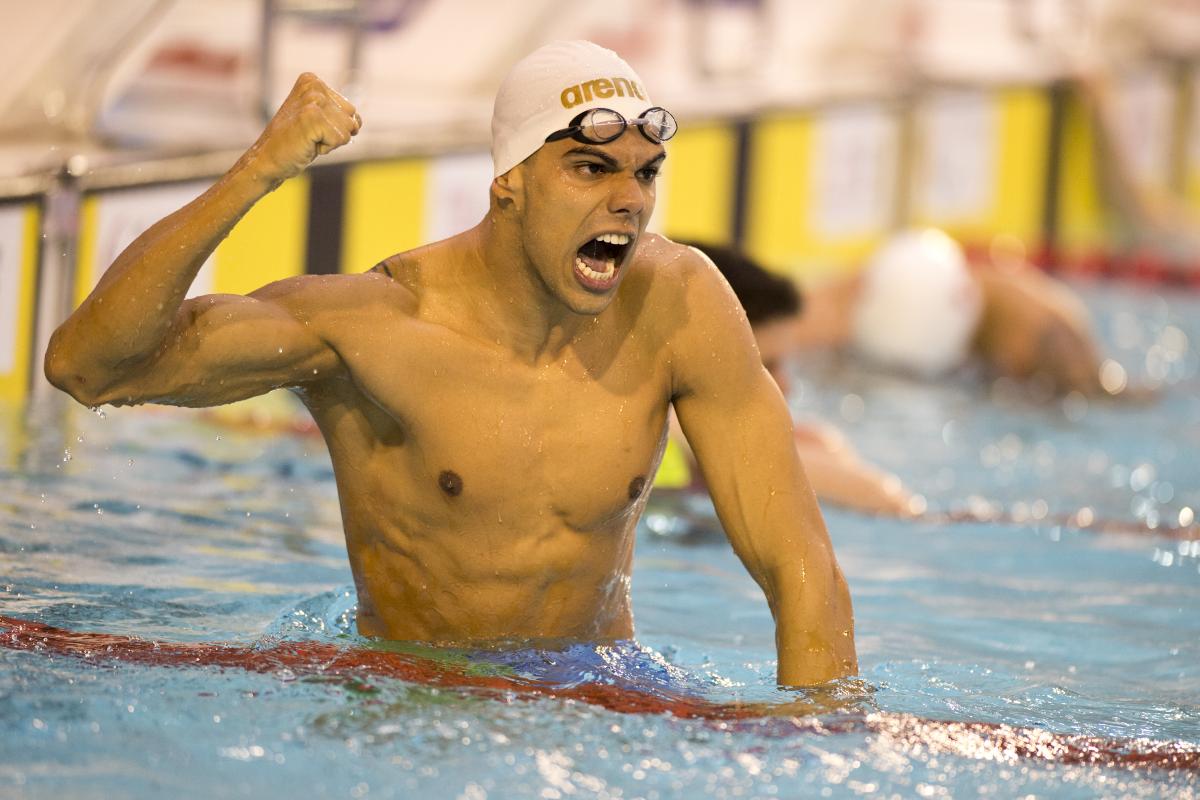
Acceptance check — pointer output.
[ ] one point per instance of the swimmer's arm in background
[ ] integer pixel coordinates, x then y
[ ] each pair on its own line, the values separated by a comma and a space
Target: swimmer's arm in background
741, 431
840, 477
135, 319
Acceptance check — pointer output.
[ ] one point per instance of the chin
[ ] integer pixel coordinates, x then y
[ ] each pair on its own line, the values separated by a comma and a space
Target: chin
587, 304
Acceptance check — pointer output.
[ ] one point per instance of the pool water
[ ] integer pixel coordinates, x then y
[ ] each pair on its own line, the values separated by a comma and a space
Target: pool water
165, 526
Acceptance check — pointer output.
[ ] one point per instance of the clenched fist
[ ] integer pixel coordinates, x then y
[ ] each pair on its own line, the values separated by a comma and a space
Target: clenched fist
312, 121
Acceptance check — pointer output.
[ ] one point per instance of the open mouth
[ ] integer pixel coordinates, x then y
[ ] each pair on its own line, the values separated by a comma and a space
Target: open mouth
598, 262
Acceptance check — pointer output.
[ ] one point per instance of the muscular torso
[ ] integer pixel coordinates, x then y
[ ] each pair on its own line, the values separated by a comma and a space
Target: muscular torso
485, 497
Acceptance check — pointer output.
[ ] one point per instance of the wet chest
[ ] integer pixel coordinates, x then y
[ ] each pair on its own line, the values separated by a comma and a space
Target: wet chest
484, 436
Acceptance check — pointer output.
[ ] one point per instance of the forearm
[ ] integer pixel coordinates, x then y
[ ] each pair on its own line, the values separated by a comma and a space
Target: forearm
132, 309
814, 623
787, 551
772, 519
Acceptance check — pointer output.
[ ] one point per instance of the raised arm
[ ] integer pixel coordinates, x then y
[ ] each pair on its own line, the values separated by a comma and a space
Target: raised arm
135, 339
739, 427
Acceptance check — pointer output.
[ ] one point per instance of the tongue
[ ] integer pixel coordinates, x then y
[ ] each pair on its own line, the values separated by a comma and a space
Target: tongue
593, 263
594, 255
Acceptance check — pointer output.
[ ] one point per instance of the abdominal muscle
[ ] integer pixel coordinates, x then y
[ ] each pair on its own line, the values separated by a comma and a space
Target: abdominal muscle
477, 584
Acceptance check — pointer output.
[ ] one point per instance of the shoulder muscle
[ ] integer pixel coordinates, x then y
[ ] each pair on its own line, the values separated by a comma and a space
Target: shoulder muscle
708, 336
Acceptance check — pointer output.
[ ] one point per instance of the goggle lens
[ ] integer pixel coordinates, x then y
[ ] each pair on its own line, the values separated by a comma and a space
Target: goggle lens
601, 125
658, 124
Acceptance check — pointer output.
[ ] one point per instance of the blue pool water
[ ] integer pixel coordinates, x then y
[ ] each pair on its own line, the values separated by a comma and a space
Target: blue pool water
165, 526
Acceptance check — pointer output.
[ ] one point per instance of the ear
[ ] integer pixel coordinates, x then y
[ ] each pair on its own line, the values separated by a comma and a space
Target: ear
507, 189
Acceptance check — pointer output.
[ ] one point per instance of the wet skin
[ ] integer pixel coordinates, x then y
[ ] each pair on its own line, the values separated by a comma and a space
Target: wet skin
510, 518
492, 414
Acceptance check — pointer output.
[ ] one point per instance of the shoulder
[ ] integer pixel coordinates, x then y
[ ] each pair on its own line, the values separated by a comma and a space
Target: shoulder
664, 257
672, 274
684, 289
692, 316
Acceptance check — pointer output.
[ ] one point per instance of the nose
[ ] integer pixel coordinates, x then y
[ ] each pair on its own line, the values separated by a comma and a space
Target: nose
628, 195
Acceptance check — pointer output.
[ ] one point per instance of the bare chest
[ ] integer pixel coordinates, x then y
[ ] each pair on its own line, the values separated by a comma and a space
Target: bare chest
465, 433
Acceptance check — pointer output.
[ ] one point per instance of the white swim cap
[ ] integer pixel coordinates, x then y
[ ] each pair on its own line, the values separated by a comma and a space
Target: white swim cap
919, 304
548, 88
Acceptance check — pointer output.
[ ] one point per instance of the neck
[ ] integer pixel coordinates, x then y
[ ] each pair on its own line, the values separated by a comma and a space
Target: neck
507, 301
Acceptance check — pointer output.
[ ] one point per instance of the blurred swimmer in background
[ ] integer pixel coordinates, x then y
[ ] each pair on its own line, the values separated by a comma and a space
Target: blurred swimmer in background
941, 312
920, 307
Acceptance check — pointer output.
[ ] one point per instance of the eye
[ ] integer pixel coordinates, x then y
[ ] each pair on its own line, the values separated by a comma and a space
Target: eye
648, 174
591, 168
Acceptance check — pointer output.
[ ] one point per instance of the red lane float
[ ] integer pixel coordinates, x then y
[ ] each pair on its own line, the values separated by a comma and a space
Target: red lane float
306, 659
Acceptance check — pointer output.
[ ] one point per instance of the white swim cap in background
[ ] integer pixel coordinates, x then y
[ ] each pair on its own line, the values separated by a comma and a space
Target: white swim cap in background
548, 88
919, 305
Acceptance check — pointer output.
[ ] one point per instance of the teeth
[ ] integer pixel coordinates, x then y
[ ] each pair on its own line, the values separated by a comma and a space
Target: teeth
610, 267
613, 238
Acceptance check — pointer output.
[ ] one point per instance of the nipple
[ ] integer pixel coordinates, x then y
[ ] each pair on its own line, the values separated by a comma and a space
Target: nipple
450, 483
636, 486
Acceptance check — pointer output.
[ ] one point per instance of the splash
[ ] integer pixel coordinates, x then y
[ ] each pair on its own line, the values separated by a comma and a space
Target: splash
316, 660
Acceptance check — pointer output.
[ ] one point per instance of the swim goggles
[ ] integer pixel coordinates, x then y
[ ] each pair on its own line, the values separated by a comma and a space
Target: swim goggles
602, 125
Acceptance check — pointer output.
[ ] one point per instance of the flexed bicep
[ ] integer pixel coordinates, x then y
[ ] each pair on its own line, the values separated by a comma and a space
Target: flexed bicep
223, 348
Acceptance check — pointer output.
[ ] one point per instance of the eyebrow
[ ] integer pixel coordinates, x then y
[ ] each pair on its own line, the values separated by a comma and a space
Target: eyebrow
612, 163
594, 152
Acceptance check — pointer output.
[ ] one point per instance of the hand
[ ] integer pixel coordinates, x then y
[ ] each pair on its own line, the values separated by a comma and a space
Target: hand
313, 120
844, 696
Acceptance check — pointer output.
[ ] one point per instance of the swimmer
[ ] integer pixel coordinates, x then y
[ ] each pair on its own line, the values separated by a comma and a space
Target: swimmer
837, 473
920, 307
496, 403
